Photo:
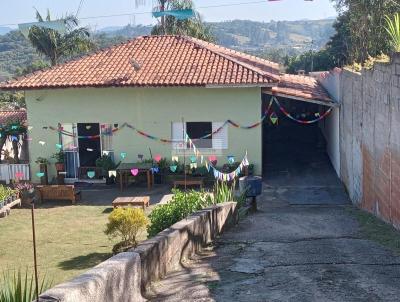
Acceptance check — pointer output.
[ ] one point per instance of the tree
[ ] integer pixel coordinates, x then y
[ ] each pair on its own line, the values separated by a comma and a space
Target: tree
58, 46
364, 25
193, 27
322, 61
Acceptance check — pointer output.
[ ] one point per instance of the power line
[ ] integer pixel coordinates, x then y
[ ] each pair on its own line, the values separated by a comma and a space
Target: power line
79, 8
149, 12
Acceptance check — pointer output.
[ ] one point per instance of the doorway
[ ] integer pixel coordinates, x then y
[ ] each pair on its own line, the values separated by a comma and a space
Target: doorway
89, 144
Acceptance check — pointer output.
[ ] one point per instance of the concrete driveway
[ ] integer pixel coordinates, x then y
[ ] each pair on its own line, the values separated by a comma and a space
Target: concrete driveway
289, 252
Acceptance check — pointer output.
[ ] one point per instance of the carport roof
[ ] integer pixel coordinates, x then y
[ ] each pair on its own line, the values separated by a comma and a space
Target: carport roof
303, 88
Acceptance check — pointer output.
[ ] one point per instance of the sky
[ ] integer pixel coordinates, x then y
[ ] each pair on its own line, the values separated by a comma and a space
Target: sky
13, 12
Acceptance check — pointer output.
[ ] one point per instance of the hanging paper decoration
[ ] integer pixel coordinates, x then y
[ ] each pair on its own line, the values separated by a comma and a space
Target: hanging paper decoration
91, 174
14, 138
14, 127
40, 174
173, 168
231, 159
155, 170
106, 152
193, 165
175, 159
19, 175
181, 14
42, 143
62, 173
317, 114
274, 118
157, 158
123, 155
193, 159
89, 149
30, 128
88, 127
58, 146
134, 171
112, 173
140, 156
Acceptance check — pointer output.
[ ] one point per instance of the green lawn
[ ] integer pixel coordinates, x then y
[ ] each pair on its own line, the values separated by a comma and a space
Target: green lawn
70, 240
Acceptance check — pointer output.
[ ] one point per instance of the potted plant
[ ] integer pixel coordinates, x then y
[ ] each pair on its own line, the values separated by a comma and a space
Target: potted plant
106, 164
26, 192
59, 157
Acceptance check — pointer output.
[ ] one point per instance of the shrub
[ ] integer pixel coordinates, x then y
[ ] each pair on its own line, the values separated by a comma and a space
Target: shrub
17, 287
126, 223
181, 206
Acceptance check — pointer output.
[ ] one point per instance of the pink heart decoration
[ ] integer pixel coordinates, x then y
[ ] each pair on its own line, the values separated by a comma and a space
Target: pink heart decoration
134, 171
157, 158
19, 175
212, 158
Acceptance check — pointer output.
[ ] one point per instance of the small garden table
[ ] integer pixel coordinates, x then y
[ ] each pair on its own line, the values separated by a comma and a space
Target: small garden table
143, 201
198, 181
124, 170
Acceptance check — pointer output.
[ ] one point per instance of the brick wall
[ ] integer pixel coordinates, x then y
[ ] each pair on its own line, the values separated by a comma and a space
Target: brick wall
370, 138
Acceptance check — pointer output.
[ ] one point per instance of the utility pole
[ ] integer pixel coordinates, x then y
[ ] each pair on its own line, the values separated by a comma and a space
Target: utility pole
162, 8
312, 56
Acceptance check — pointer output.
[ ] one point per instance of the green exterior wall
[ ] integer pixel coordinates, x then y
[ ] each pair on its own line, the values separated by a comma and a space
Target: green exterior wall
149, 109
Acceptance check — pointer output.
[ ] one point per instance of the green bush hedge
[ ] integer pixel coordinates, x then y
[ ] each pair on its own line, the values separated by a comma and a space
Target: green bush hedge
163, 216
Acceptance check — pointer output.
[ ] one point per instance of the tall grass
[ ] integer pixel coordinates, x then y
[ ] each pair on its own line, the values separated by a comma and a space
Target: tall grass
19, 287
393, 29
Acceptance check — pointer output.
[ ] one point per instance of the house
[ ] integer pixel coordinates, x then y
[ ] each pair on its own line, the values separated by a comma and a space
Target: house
141, 95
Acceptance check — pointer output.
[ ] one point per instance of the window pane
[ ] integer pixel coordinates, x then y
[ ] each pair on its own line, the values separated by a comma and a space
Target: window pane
197, 130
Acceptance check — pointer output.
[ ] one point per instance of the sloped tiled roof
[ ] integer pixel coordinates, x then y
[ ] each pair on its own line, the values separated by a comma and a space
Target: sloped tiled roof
153, 61
12, 116
300, 87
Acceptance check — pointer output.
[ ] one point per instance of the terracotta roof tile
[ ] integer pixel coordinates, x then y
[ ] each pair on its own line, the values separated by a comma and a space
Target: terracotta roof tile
300, 87
12, 116
163, 61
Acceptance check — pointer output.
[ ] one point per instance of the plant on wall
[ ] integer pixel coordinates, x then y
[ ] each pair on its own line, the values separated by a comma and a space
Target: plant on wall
393, 29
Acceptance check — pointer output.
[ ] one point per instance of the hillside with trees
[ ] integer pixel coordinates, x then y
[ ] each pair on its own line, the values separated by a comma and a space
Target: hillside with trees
272, 40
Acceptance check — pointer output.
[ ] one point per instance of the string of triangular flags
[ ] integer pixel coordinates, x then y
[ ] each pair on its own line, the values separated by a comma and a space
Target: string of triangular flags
209, 163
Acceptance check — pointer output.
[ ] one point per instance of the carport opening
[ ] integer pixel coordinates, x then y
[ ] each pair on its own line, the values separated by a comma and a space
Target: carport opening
292, 149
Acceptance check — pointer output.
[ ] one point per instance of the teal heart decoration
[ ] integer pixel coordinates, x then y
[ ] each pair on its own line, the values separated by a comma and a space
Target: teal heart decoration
173, 168
193, 159
40, 174
91, 174
231, 159
123, 155
58, 146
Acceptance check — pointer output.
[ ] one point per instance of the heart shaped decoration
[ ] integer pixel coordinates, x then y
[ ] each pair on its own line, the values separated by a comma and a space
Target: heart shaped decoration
173, 168
135, 171
157, 158
58, 146
193, 159
212, 158
91, 174
19, 175
40, 174
123, 155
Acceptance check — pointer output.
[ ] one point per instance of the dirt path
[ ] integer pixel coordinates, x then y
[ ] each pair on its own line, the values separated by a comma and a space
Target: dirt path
288, 253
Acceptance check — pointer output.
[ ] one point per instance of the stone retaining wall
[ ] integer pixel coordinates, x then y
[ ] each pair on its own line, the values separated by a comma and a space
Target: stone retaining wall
126, 276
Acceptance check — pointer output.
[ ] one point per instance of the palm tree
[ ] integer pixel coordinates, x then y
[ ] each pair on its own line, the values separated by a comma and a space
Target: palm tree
193, 27
58, 46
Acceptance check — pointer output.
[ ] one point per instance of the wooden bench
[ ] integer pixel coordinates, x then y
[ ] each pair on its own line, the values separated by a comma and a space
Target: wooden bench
142, 201
59, 192
189, 182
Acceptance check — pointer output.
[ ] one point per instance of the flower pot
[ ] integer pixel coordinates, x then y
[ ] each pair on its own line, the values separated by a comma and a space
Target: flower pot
59, 167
